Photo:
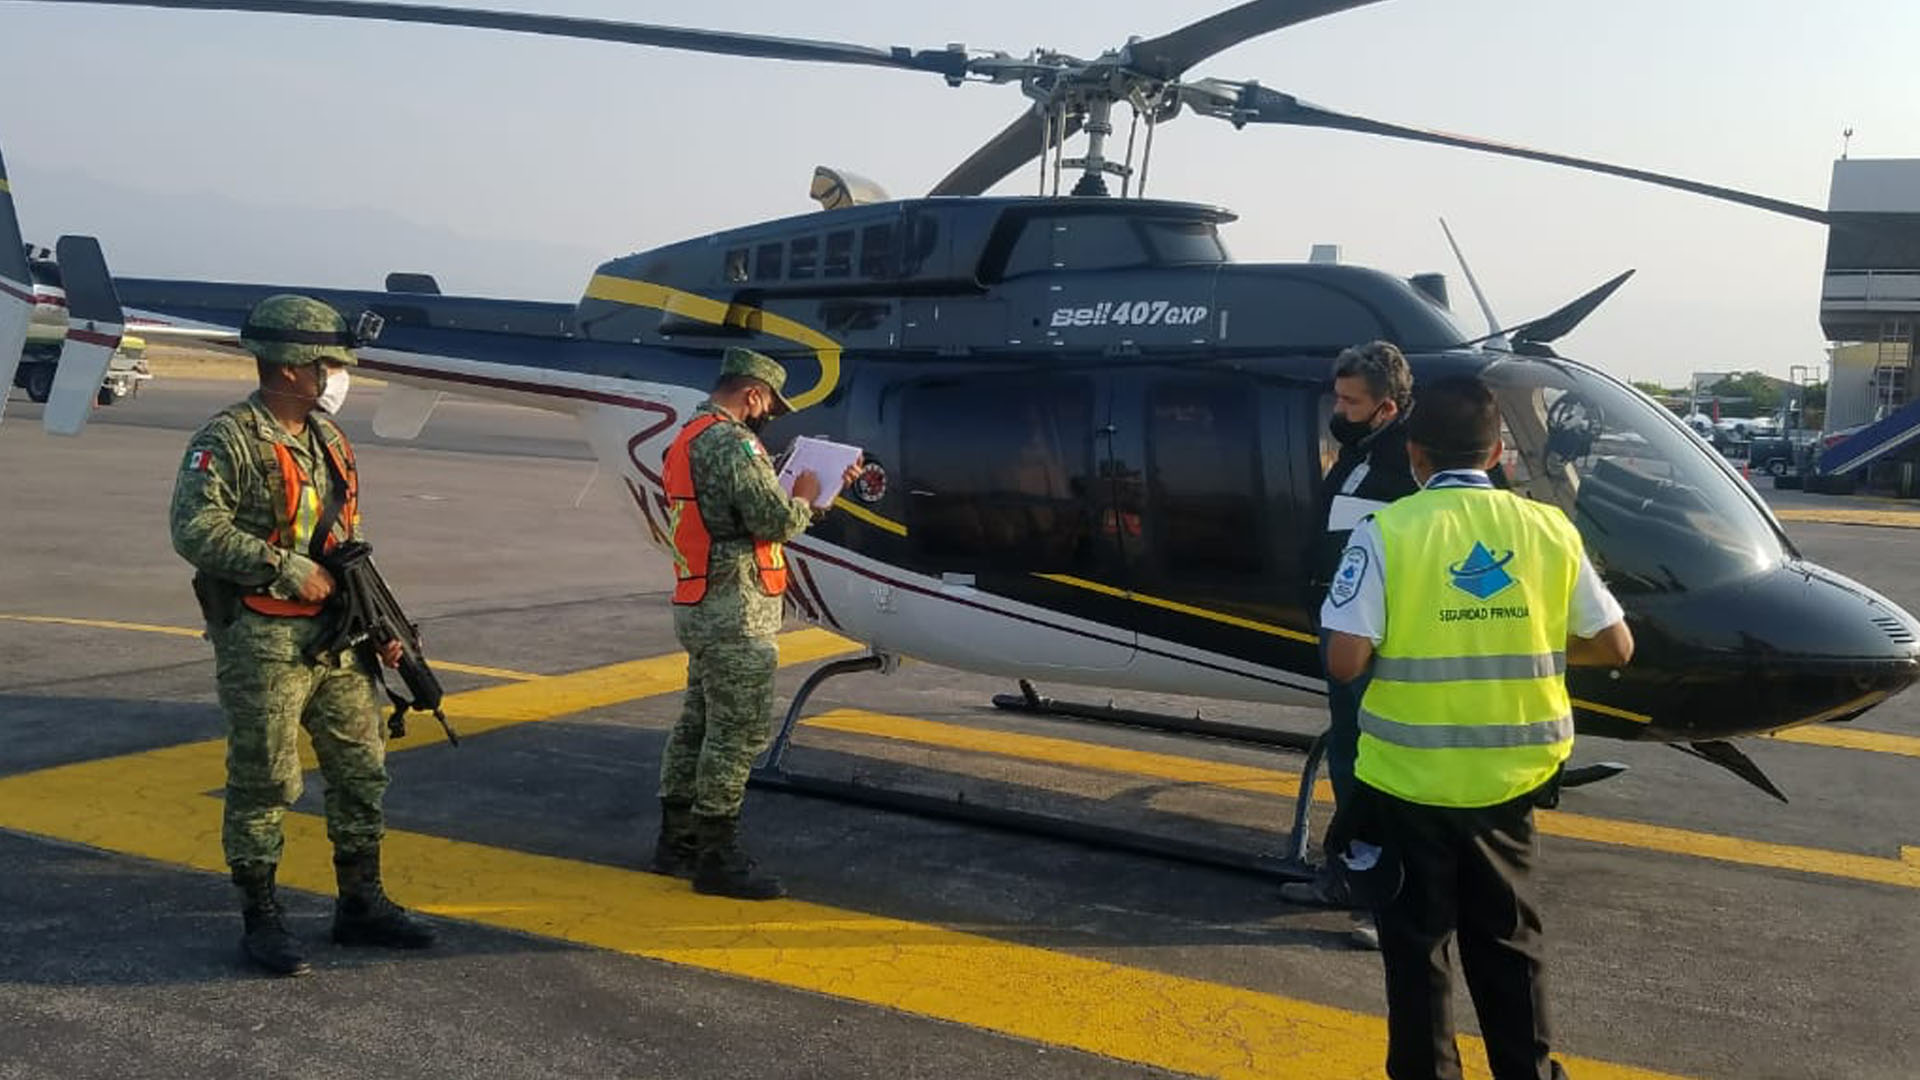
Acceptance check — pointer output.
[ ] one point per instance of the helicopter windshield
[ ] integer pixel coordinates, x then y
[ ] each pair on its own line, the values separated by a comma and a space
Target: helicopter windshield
1660, 512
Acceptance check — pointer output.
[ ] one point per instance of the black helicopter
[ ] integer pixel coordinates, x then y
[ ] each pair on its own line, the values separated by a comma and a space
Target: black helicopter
1094, 442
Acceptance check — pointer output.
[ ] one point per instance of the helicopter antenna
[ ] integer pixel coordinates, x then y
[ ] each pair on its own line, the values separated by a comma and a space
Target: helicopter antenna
1846, 140
1486, 309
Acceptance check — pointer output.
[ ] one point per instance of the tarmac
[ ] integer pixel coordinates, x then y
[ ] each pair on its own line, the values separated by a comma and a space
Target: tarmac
1696, 927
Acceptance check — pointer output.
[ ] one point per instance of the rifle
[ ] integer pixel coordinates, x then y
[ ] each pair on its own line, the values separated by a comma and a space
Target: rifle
369, 617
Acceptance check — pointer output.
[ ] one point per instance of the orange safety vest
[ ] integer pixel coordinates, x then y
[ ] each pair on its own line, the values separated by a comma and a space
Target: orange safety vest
295, 483
691, 543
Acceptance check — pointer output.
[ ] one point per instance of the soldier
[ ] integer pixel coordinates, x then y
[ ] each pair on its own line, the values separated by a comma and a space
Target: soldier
729, 518
267, 486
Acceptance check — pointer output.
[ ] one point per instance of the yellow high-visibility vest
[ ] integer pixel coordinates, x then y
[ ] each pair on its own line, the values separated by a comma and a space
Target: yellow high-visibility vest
1468, 703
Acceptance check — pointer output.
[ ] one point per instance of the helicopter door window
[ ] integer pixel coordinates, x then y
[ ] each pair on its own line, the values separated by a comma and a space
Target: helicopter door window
998, 475
1096, 242
1203, 477
803, 257
737, 265
766, 262
839, 261
876, 251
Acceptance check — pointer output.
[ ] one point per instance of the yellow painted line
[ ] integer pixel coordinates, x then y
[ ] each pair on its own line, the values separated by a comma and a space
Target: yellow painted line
1184, 609
495, 707
619, 290
1903, 871
182, 631
488, 672
870, 517
1850, 738
1896, 519
5, 188
105, 624
147, 805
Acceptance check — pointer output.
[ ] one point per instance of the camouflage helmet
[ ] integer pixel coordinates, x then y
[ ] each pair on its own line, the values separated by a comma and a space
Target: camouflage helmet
738, 361
293, 330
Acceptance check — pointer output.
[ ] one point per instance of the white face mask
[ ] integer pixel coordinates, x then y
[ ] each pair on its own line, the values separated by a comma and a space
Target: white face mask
334, 393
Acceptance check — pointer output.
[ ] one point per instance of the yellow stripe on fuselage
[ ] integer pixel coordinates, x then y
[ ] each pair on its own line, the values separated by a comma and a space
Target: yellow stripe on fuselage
1184, 609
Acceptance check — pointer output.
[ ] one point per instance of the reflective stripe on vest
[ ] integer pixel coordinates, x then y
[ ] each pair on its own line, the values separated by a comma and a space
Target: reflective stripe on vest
692, 544
1468, 703
297, 514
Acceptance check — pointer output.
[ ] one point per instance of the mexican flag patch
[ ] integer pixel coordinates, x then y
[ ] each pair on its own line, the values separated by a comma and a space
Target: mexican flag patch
200, 461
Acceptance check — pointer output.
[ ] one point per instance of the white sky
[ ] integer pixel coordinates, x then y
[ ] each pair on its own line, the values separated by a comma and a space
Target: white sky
313, 151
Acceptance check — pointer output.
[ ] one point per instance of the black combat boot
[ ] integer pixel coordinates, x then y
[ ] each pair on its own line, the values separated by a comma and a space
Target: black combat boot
266, 941
677, 851
724, 869
363, 915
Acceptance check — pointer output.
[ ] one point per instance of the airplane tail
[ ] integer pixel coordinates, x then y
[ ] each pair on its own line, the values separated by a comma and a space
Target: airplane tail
94, 327
16, 290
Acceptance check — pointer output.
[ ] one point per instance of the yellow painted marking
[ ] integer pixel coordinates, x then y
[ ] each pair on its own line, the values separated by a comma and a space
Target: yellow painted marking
1850, 738
1903, 871
487, 672
5, 188
1895, 519
104, 624
183, 631
147, 805
1184, 609
649, 294
870, 517
496, 707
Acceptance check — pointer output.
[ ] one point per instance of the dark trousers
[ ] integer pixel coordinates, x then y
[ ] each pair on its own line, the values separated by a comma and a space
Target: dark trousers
1466, 879
1343, 728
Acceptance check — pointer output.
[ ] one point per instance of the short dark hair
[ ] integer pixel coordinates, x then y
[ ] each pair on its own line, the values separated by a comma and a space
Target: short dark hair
1383, 366
1456, 421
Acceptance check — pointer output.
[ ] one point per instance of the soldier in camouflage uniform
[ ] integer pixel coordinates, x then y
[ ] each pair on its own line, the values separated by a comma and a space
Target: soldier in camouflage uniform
266, 487
729, 518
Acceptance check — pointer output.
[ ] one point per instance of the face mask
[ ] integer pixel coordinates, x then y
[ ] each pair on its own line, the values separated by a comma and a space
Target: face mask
333, 391
1352, 432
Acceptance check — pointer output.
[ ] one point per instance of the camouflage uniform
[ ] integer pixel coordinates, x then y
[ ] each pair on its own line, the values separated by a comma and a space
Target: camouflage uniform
223, 511
728, 635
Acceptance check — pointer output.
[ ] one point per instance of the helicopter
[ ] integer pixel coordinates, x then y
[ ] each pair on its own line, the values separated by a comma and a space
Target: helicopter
1093, 442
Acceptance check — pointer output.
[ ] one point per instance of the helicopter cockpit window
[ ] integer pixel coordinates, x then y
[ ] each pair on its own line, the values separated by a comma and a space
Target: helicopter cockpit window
998, 476
766, 262
839, 260
1182, 242
803, 257
1660, 512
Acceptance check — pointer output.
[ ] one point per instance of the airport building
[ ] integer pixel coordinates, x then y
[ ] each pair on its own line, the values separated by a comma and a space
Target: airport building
1870, 297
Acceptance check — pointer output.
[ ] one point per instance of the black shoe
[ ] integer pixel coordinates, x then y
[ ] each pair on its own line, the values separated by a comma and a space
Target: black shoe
677, 852
724, 869
1328, 889
363, 915
266, 941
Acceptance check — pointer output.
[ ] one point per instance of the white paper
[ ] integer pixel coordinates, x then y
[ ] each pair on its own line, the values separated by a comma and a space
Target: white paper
825, 459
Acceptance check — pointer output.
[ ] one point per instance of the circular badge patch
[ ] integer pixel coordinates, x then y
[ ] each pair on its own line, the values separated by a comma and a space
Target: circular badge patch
871, 485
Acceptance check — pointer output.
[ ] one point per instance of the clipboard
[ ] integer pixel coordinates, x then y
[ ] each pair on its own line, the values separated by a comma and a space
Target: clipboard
824, 458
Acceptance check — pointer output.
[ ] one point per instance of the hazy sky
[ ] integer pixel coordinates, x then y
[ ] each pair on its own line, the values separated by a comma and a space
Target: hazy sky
307, 150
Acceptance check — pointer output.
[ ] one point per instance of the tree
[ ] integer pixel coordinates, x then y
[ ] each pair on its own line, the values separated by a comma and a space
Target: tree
1763, 394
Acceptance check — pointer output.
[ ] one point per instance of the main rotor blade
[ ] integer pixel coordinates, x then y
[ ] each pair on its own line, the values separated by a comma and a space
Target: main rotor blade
1170, 55
952, 64
1017, 144
1262, 106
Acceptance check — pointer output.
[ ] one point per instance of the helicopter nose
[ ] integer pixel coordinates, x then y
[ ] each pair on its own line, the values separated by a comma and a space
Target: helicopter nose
1795, 645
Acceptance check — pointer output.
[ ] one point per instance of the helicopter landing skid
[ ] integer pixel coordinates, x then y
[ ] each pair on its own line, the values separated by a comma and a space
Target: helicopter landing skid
772, 775
1029, 701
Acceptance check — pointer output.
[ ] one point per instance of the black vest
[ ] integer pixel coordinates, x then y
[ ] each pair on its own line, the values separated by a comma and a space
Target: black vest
1365, 477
